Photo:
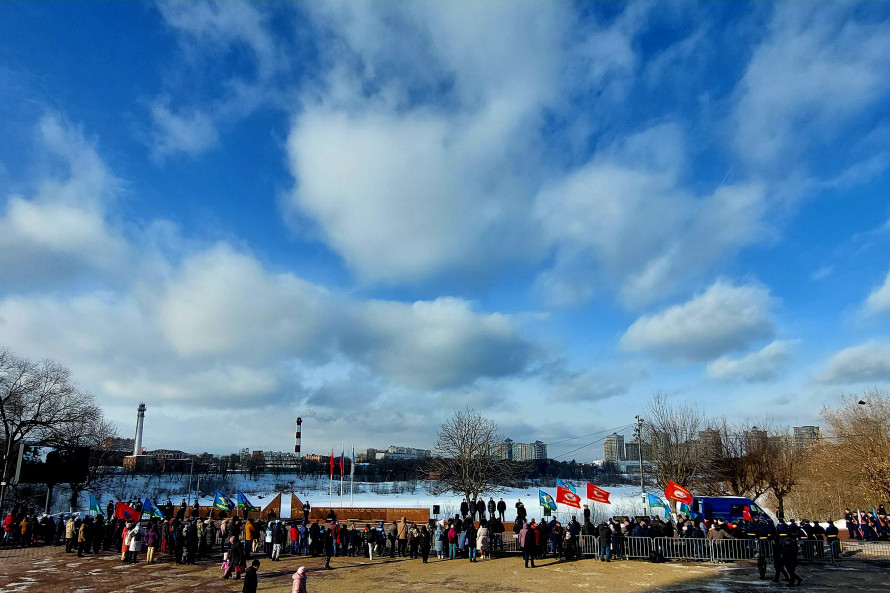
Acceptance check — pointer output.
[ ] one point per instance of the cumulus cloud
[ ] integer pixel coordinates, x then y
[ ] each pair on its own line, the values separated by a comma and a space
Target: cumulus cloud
724, 318
62, 229
879, 299
624, 218
764, 365
818, 66
865, 363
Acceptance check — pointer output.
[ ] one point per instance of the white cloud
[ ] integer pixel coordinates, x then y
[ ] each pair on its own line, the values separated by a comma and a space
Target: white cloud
764, 365
879, 299
721, 319
191, 133
624, 220
816, 68
865, 363
62, 229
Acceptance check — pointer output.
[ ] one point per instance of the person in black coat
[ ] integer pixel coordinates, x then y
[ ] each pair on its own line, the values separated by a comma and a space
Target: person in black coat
251, 578
235, 558
98, 534
464, 508
502, 508
492, 507
789, 557
480, 508
191, 541
605, 540
834, 544
306, 508
328, 537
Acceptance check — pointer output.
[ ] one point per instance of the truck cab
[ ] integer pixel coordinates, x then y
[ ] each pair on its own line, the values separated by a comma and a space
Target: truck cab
728, 508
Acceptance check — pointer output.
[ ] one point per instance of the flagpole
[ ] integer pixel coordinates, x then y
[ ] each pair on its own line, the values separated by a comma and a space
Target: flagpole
342, 455
352, 477
331, 487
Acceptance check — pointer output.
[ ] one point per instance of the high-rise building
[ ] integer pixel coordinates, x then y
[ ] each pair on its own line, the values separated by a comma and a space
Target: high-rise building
710, 443
510, 449
632, 451
806, 436
613, 447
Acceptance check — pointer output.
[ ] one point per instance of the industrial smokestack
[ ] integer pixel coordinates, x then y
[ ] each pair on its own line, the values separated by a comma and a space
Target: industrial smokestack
140, 420
299, 433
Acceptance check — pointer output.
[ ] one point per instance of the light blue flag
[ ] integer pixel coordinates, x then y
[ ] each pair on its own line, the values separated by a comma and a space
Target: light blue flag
148, 506
655, 502
566, 485
94, 505
546, 500
223, 502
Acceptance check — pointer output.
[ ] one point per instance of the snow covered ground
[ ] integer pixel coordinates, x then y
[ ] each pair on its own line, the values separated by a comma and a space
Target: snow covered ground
625, 499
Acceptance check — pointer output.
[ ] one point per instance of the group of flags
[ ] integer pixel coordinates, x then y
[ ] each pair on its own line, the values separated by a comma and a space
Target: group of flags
567, 494
342, 463
221, 501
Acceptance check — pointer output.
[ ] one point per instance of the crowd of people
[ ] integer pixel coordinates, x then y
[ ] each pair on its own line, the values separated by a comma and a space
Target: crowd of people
476, 533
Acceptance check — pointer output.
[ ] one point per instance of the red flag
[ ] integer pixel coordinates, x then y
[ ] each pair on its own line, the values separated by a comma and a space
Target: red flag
566, 496
125, 512
674, 491
746, 513
332, 463
597, 494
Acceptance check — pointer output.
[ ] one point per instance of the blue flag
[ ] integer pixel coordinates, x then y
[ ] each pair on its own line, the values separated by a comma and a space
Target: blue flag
148, 506
546, 500
244, 503
684, 508
94, 504
223, 502
566, 485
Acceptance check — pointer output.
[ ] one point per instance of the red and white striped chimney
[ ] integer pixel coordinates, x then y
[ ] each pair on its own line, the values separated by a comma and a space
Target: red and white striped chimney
299, 431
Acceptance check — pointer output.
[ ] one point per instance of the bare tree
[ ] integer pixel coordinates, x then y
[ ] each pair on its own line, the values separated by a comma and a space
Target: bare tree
464, 459
860, 428
783, 462
38, 404
671, 433
738, 468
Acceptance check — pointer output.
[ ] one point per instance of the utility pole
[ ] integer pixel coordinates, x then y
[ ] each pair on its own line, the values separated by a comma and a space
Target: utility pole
638, 434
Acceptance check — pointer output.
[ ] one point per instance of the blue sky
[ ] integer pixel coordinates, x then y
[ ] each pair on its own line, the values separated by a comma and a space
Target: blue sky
371, 214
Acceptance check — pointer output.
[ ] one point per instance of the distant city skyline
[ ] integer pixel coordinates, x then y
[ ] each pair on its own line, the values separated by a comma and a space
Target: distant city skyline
372, 214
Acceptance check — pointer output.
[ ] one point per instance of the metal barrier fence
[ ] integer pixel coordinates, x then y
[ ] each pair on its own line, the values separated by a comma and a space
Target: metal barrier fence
865, 550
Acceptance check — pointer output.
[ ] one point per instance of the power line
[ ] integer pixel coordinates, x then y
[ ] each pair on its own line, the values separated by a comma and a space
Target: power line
616, 429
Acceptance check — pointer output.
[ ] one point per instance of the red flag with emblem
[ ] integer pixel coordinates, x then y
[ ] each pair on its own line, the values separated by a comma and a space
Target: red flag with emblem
597, 494
567, 497
125, 512
674, 491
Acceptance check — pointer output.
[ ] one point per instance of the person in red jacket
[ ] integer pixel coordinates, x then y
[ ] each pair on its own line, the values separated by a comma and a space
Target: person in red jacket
7, 528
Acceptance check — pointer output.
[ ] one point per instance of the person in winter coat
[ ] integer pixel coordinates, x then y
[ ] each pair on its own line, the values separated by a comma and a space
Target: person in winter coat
605, 541
152, 539
502, 508
279, 537
439, 537
191, 540
134, 542
237, 563
393, 535
329, 543
483, 540
464, 508
125, 547
492, 508
480, 508
403, 536
84, 536
452, 542
250, 536
98, 534
789, 557
70, 540
250, 578
299, 578
470, 542
424, 543
528, 544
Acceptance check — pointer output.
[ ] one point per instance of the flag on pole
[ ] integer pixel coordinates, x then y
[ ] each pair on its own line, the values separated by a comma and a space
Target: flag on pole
567, 497
597, 494
94, 505
125, 512
148, 506
546, 500
687, 510
674, 491
352, 464
342, 461
223, 502
332, 463
655, 502
244, 503
566, 485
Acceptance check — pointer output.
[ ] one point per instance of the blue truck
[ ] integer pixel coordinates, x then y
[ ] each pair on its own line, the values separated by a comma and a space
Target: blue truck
728, 508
